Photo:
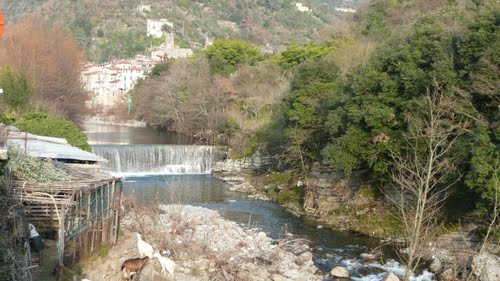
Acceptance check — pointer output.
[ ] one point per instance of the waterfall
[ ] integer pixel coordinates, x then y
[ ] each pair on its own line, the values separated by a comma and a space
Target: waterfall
157, 159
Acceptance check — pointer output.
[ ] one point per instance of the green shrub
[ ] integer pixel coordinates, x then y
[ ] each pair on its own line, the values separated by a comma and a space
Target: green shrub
41, 123
104, 251
8, 118
16, 89
233, 125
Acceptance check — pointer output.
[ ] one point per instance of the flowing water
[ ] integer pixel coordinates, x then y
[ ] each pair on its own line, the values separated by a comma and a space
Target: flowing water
160, 167
157, 159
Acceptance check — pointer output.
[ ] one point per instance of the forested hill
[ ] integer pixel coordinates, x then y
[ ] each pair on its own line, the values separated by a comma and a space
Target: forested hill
115, 28
356, 101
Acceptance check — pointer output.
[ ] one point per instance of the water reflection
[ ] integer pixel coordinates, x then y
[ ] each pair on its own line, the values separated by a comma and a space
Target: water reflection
178, 189
99, 133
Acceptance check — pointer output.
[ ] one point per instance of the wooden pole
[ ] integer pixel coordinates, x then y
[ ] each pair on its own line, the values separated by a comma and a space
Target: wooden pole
92, 236
111, 216
80, 247
88, 205
74, 250
119, 208
102, 203
60, 242
85, 245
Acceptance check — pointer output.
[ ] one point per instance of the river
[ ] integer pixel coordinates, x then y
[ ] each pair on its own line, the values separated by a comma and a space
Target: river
168, 168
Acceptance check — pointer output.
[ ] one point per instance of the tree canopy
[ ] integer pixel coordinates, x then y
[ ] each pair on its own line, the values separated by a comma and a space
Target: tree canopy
226, 55
49, 60
16, 90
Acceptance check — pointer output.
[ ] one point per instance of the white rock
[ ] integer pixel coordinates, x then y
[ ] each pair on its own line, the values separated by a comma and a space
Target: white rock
436, 266
340, 272
368, 257
448, 275
486, 267
391, 277
294, 274
277, 277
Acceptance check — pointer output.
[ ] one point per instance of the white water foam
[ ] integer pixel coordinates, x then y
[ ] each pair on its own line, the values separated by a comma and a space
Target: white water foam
147, 160
391, 266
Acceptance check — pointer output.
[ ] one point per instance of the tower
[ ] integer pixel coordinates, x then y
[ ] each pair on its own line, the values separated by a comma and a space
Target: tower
169, 41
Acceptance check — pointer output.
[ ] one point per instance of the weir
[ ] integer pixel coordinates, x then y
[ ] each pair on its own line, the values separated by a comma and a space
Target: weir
157, 159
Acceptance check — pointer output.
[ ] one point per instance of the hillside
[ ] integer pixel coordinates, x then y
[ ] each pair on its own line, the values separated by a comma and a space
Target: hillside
117, 29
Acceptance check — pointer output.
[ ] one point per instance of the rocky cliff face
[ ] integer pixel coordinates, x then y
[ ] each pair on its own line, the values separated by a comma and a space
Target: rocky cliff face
328, 191
349, 203
238, 173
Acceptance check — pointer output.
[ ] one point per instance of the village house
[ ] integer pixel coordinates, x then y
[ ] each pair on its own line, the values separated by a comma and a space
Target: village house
345, 10
302, 8
109, 83
144, 8
170, 50
154, 27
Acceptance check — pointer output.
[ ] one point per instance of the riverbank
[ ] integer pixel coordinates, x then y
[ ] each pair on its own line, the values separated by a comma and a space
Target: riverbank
351, 204
354, 204
204, 246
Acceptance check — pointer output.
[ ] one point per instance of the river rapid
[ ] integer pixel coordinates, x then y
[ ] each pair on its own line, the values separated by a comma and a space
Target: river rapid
167, 168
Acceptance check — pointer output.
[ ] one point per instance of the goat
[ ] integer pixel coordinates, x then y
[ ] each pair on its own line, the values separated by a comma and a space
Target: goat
133, 266
144, 248
166, 264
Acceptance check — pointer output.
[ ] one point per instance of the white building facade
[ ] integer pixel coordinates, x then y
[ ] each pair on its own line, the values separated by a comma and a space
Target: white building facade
109, 83
154, 27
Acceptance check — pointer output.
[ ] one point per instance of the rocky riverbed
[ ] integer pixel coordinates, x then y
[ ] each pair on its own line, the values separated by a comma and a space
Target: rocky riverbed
205, 246
352, 204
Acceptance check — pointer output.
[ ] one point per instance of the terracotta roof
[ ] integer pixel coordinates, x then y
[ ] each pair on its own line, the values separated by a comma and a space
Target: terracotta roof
91, 73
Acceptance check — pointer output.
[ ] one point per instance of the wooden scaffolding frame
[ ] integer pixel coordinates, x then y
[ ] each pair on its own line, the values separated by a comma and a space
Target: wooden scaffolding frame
84, 212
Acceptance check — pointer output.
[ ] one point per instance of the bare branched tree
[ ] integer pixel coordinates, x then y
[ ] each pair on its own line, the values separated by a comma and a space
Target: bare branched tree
294, 152
51, 60
424, 169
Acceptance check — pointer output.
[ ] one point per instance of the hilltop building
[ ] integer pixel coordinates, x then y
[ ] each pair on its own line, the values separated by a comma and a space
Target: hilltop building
345, 10
144, 8
208, 41
302, 8
154, 27
170, 50
109, 83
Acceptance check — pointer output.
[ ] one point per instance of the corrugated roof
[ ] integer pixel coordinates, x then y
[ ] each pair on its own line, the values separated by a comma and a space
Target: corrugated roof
49, 147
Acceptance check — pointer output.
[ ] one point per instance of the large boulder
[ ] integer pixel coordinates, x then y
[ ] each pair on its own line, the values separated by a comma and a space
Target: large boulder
448, 275
391, 277
486, 267
340, 272
436, 266
259, 160
366, 257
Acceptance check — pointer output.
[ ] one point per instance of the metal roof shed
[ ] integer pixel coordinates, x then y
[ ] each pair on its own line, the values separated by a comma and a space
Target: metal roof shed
49, 147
